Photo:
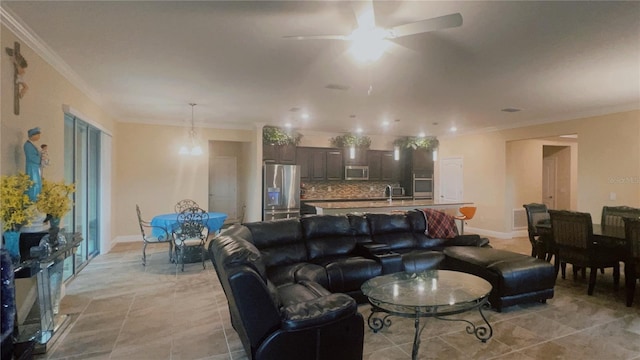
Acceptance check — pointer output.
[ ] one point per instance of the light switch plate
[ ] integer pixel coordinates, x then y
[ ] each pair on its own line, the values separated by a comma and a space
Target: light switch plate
612, 196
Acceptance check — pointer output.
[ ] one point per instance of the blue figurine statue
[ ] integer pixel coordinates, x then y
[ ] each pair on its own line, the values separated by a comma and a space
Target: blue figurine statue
33, 163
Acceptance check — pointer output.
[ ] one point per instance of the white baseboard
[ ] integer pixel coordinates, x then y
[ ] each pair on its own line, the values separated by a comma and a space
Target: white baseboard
128, 238
495, 234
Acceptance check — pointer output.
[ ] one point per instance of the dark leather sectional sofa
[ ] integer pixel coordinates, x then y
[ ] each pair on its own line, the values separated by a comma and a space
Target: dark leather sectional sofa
293, 285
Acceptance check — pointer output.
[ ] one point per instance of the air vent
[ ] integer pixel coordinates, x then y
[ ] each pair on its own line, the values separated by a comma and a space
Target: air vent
294, 109
519, 219
510, 110
337, 87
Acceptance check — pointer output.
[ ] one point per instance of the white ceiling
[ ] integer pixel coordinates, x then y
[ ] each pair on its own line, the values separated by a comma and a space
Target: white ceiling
145, 61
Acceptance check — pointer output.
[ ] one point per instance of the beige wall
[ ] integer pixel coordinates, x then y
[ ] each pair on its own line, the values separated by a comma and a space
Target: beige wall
41, 106
608, 160
153, 175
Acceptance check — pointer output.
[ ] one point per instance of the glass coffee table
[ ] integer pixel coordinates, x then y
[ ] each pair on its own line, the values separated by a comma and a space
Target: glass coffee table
433, 293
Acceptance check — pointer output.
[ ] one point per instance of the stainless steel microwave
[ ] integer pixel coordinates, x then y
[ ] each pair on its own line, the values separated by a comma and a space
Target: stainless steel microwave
356, 172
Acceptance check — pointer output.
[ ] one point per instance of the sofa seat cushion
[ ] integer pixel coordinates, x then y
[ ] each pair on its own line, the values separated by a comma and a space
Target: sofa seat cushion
346, 274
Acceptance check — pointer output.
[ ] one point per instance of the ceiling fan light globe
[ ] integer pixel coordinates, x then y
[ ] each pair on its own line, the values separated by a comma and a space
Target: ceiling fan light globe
368, 51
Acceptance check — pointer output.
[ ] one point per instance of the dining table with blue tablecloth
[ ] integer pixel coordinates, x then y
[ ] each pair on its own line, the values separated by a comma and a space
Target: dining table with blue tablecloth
170, 222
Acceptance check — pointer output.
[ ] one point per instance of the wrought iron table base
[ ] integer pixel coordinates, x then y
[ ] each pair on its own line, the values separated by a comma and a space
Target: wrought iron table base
482, 332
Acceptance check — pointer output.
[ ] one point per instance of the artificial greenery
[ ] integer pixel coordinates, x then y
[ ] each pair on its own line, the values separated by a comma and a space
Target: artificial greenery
54, 198
413, 142
277, 136
348, 140
16, 208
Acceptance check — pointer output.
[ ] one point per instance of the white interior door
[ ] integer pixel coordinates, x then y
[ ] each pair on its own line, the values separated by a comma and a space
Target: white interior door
451, 179
223, 189
549, 182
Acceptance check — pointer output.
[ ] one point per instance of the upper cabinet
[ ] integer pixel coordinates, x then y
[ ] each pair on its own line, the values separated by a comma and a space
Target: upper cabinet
279, 154
319, 163
382, 166
359, 156
421, 162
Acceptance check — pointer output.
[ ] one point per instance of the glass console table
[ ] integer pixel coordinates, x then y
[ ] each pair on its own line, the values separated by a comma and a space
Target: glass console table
42, 323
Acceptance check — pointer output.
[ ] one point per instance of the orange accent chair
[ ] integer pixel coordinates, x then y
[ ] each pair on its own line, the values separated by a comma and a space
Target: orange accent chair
467, 214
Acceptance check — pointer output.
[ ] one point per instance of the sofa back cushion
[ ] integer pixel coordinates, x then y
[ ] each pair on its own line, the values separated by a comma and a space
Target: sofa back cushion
279, 241
327, 235
391, 229
360, 227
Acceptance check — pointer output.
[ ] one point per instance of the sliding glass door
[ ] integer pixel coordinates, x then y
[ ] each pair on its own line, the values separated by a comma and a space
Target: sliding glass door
82, 167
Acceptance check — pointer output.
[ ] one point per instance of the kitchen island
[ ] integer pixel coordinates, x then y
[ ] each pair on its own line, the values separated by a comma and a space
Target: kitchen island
382, 206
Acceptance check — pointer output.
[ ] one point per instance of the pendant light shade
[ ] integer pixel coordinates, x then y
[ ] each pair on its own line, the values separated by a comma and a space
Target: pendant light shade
192, 147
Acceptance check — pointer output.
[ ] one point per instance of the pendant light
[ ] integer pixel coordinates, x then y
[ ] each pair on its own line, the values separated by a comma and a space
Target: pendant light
193, 147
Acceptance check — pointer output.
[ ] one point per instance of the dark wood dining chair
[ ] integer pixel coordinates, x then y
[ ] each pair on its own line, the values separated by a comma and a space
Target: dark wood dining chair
542, 245
613, 215
185, 204
573, 235
146, 229
632, 263
192, 232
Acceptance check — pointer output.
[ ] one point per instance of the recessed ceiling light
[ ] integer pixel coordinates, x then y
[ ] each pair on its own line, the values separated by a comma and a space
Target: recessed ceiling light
421, 134
454, 129
510, 110
385, 123
359, 130
304, 116
287, 125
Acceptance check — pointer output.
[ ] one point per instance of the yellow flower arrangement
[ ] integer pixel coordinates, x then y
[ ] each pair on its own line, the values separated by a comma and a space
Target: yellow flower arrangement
15, 206
54, 198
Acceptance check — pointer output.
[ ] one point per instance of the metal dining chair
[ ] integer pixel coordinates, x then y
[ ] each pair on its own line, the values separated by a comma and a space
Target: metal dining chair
146, 229
185, 204
192, 232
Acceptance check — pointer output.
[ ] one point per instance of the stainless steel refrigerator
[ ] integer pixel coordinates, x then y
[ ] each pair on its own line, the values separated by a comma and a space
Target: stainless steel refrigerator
281, 191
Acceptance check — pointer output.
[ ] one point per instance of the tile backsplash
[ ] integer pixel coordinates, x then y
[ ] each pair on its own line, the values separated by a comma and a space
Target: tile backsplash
314, 190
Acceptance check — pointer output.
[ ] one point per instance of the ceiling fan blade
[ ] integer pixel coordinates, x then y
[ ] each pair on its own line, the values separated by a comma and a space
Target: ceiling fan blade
364, 14
423, 26
317, 37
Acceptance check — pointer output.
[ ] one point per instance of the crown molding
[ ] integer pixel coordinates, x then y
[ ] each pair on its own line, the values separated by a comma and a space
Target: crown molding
17, 26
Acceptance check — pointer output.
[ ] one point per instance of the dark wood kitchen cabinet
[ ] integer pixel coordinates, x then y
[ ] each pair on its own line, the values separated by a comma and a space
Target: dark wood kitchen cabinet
359, 159
319, 163
421, 161
334, 164
279, 154
382, 166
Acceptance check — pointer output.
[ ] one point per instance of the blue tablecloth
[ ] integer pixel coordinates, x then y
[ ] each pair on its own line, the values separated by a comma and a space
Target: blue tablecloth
170, 222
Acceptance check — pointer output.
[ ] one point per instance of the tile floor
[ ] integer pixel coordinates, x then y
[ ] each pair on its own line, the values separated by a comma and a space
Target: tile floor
122, 310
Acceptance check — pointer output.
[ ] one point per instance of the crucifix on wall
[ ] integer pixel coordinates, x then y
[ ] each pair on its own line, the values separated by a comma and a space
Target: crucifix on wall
19, 85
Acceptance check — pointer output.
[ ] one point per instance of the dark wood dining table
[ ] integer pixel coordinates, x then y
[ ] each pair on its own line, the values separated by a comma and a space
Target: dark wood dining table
607, 236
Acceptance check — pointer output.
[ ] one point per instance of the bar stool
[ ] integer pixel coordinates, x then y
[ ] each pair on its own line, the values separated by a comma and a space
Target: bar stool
467, 214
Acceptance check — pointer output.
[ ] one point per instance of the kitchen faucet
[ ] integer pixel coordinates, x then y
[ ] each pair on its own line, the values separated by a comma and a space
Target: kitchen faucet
390, 189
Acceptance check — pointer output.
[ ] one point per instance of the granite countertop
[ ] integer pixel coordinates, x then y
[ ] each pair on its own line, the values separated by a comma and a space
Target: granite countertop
382, 204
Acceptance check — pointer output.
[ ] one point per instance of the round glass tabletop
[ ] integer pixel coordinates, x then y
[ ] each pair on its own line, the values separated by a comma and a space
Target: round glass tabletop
430, 292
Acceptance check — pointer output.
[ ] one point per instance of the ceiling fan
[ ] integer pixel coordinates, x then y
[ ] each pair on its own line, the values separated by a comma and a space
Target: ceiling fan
370, 41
